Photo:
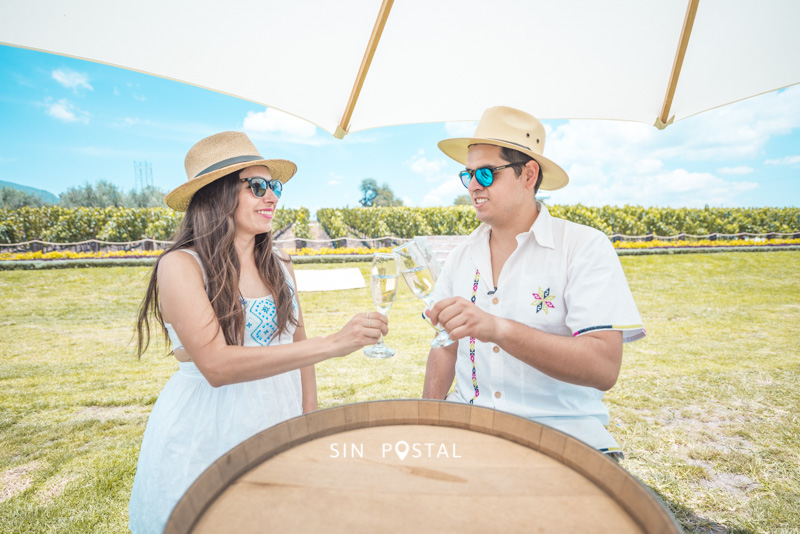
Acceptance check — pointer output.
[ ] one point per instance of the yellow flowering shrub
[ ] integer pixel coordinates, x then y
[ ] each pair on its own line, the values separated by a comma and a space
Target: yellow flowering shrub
360, 251
682, 243
69, 255
328, 251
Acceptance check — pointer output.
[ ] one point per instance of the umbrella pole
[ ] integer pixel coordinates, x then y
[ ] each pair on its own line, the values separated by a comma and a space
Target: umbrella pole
377, 31
677, 65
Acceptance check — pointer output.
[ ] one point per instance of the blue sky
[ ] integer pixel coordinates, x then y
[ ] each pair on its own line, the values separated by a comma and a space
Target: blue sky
66, 122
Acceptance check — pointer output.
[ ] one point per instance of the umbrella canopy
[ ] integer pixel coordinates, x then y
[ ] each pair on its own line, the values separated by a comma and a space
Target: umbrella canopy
356, 64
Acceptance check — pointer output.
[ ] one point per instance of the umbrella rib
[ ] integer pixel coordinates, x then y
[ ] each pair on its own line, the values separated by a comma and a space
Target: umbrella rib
377, 31
663, 120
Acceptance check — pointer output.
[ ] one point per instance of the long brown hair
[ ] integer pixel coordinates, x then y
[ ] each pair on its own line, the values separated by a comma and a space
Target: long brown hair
209, 226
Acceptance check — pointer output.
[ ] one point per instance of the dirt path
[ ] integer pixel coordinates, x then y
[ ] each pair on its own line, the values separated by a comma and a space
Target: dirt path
317, 233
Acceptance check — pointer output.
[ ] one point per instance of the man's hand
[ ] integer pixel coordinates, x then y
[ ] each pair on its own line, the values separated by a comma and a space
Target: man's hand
593, 359
462, 318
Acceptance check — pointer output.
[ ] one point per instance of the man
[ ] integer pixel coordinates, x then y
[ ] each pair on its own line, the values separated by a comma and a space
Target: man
539, 305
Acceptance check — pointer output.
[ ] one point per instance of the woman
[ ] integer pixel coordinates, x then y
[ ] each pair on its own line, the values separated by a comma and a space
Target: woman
227, 302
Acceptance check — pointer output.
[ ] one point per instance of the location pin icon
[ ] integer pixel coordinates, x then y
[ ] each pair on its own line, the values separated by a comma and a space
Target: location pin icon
401, 453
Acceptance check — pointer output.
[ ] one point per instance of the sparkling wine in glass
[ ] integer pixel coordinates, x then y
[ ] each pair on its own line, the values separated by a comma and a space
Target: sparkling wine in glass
417, 274
383, 284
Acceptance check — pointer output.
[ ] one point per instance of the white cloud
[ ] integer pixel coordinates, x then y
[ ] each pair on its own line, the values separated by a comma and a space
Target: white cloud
66, 111
272, 124
460, 129
136, 92
647, 166
357, 138
443, 194
612, 162
738, 131
335, 179
72, 80
439, 173
133, 121
786, 160
430, 169
741, 169
676, 187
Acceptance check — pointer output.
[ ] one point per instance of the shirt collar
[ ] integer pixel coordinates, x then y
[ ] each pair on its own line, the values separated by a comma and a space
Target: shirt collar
542, 229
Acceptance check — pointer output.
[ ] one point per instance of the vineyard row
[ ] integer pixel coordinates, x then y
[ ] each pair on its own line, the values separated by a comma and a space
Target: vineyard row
66, 225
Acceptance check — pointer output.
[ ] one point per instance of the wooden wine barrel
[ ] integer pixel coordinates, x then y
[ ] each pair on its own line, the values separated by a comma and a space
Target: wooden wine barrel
416, 466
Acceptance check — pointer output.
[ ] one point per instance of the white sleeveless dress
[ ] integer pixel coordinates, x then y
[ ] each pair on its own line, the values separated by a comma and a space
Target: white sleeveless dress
192, 423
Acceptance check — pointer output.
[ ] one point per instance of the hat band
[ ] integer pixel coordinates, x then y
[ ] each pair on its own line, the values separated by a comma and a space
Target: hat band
510, 143
227, 163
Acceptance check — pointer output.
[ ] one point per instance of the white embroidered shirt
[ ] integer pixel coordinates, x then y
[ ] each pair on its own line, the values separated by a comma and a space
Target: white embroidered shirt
564, 278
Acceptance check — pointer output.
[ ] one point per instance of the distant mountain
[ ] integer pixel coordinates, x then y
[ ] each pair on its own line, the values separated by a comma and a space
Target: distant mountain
46, 195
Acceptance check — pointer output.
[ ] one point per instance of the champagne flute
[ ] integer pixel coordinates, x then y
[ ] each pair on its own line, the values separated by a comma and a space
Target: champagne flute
417, 274
384, 288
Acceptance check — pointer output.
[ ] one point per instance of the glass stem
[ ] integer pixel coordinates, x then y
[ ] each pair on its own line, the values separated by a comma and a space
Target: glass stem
429, 306
380, 344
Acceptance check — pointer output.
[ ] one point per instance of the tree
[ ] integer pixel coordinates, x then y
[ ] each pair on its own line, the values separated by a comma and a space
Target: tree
462, 200
12, 198
369, 191
100, 195
149, 197
375, 195
104, 194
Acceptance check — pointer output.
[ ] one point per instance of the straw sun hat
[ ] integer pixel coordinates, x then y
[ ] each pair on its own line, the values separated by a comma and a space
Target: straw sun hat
508, 127
218, 156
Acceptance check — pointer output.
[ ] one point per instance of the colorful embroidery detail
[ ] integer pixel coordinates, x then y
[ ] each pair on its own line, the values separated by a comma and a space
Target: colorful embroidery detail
263, 312
472, 341
542, 300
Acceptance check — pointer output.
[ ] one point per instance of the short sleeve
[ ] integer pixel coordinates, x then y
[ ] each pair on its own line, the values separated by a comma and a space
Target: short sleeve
444, 283
597, 296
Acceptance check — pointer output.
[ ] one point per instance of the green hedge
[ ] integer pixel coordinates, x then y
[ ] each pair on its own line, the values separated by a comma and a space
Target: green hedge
399, 221
57, 224
66, 225
626, 220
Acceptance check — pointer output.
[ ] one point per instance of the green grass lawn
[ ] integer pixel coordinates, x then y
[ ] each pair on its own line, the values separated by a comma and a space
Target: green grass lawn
707, 406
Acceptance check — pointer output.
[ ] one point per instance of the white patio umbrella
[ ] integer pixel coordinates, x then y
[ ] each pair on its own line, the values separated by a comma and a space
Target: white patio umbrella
351, 65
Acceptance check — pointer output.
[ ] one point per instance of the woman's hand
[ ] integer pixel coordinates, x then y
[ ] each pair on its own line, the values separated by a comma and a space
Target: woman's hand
362, 330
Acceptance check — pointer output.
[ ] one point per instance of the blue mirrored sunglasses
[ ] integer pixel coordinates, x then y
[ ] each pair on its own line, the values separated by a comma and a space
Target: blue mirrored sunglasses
484, 175
259, 186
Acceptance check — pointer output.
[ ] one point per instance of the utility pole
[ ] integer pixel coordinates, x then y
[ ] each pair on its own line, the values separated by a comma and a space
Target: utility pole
143, 173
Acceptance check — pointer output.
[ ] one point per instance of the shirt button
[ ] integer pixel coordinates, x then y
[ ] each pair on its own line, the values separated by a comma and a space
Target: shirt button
497, 394
495, 300
496, 348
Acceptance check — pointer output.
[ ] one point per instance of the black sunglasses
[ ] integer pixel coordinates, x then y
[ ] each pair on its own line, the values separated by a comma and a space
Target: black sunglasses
260, 185
484, 175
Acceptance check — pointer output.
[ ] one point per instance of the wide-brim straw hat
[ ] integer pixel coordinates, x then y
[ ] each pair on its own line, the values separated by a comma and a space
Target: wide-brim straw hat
218, 156
511, 128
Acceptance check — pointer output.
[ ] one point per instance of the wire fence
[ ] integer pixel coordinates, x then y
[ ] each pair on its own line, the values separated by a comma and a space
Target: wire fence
147, 245
96, 245
710, 237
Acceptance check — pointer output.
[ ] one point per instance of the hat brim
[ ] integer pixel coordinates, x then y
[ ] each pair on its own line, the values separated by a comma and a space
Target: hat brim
180, 197
553, 176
